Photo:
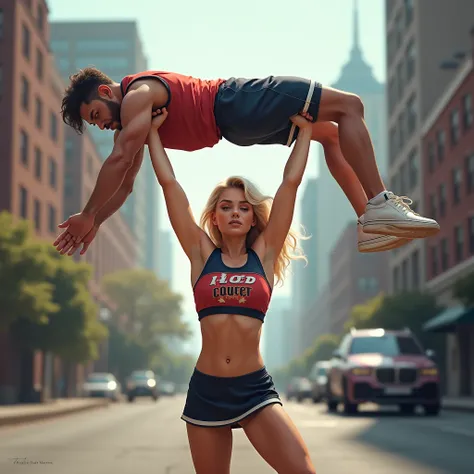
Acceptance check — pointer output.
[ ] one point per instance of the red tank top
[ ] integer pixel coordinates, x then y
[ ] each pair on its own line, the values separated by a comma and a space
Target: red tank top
191, 124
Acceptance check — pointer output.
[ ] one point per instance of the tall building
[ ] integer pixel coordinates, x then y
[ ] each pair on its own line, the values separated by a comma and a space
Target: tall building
115, 48
165, 256
448, 191
415, 52
276, 332
334, 211
306, 273
32, 144
355, 277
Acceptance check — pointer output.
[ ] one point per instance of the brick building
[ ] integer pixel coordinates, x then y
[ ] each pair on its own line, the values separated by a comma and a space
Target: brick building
448, 167
355, 277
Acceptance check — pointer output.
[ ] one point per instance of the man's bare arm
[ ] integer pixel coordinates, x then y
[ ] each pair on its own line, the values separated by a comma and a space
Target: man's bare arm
136, 119
116, 202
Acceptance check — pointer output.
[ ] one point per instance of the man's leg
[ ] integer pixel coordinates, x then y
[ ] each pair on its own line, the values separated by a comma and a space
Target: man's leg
385, 213
327, 134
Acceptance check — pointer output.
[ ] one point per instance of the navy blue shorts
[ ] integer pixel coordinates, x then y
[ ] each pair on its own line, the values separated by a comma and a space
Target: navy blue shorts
225, 401
257, 111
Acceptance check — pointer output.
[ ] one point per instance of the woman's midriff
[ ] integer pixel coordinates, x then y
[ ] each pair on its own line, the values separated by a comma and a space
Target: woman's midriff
230, 345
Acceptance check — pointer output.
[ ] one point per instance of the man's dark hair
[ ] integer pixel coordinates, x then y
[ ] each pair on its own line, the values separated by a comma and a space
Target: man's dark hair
81, 90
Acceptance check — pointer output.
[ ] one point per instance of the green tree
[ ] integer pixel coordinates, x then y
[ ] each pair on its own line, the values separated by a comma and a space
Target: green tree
152, 309
25, 267
73, 332
362, 314
464, 290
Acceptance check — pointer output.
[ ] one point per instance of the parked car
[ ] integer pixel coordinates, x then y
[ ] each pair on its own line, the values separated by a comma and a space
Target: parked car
102, 385
299, 388
142, 383
319, 380
383, 367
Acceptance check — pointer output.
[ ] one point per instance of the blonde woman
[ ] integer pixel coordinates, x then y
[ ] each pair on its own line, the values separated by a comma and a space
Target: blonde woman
234, 266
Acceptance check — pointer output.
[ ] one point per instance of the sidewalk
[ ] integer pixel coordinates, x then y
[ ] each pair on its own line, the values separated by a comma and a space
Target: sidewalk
14, 414
458, 403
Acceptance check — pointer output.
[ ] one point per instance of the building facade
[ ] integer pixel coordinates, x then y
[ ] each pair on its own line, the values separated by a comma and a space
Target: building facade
355, 277
415, 78
448, 167
32, 143
115, 48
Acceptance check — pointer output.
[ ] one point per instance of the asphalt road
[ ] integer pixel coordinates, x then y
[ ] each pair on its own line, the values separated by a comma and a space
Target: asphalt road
150, 437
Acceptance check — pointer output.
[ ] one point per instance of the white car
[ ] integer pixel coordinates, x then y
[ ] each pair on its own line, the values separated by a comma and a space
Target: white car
102, 385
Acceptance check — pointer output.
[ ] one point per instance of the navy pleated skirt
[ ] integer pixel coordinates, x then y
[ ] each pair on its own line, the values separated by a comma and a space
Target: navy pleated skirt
225, 401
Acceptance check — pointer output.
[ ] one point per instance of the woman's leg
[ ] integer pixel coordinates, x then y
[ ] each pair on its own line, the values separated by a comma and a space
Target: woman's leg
211, 449
277, 440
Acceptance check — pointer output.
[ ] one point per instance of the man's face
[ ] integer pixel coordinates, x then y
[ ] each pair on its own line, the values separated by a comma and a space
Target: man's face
103, 111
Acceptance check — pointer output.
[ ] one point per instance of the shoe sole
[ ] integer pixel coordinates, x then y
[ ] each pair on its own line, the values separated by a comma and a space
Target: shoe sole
403, 230
372, 248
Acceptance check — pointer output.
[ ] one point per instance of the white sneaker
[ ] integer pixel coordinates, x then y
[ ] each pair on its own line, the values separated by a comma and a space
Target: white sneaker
389, 214
377, 243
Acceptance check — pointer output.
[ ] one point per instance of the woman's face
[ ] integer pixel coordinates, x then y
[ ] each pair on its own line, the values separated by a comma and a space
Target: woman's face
233, 216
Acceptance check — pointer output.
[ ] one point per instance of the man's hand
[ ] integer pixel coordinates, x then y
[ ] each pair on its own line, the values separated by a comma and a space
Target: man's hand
71, 247
77, 227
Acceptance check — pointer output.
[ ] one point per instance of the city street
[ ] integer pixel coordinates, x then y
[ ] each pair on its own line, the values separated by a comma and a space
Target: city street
150, 437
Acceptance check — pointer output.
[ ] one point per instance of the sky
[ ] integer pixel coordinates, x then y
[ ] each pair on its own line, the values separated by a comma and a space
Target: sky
214, 39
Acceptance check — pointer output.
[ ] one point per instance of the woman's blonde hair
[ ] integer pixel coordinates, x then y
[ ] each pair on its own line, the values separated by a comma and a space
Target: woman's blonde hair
261, 207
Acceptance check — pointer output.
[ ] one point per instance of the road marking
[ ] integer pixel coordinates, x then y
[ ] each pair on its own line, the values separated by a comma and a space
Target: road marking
461, 431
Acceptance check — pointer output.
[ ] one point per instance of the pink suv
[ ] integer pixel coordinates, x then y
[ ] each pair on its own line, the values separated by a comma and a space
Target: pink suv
383, 367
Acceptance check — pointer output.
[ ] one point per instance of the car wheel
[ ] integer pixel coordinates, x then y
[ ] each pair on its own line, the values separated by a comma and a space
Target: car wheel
432, 410
330, 403
349, 408
407, 408
131, 399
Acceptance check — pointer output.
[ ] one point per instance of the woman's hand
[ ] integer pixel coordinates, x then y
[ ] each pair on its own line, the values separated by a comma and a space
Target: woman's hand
159, 116
303, 121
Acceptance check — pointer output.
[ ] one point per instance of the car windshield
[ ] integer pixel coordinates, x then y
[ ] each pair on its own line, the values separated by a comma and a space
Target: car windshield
99, 378
387, 345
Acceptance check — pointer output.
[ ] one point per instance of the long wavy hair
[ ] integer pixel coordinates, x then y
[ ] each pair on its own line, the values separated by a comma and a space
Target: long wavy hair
261, 207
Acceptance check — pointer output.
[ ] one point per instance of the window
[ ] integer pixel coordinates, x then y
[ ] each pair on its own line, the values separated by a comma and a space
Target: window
40, 18
401, 130
441, 142
38, 163
455, 132
1, 22
444, 255
457, 182
467, 114
404, 282
25, 93
458, 243
23, 202
399, 27
400, 75
53, 127
396, 279
105, 61
431, 157
433, 206
26, 42
393, 144
413, 169
404, 178
37, 215
52, 219
69, 150
24, 147
408, 11
53, 173
68, 185
442, 200
411, 115
470, 173
415, 271
470, 230
102, 45
410, 61
39, 64
39, 113
434, 261
392, 94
